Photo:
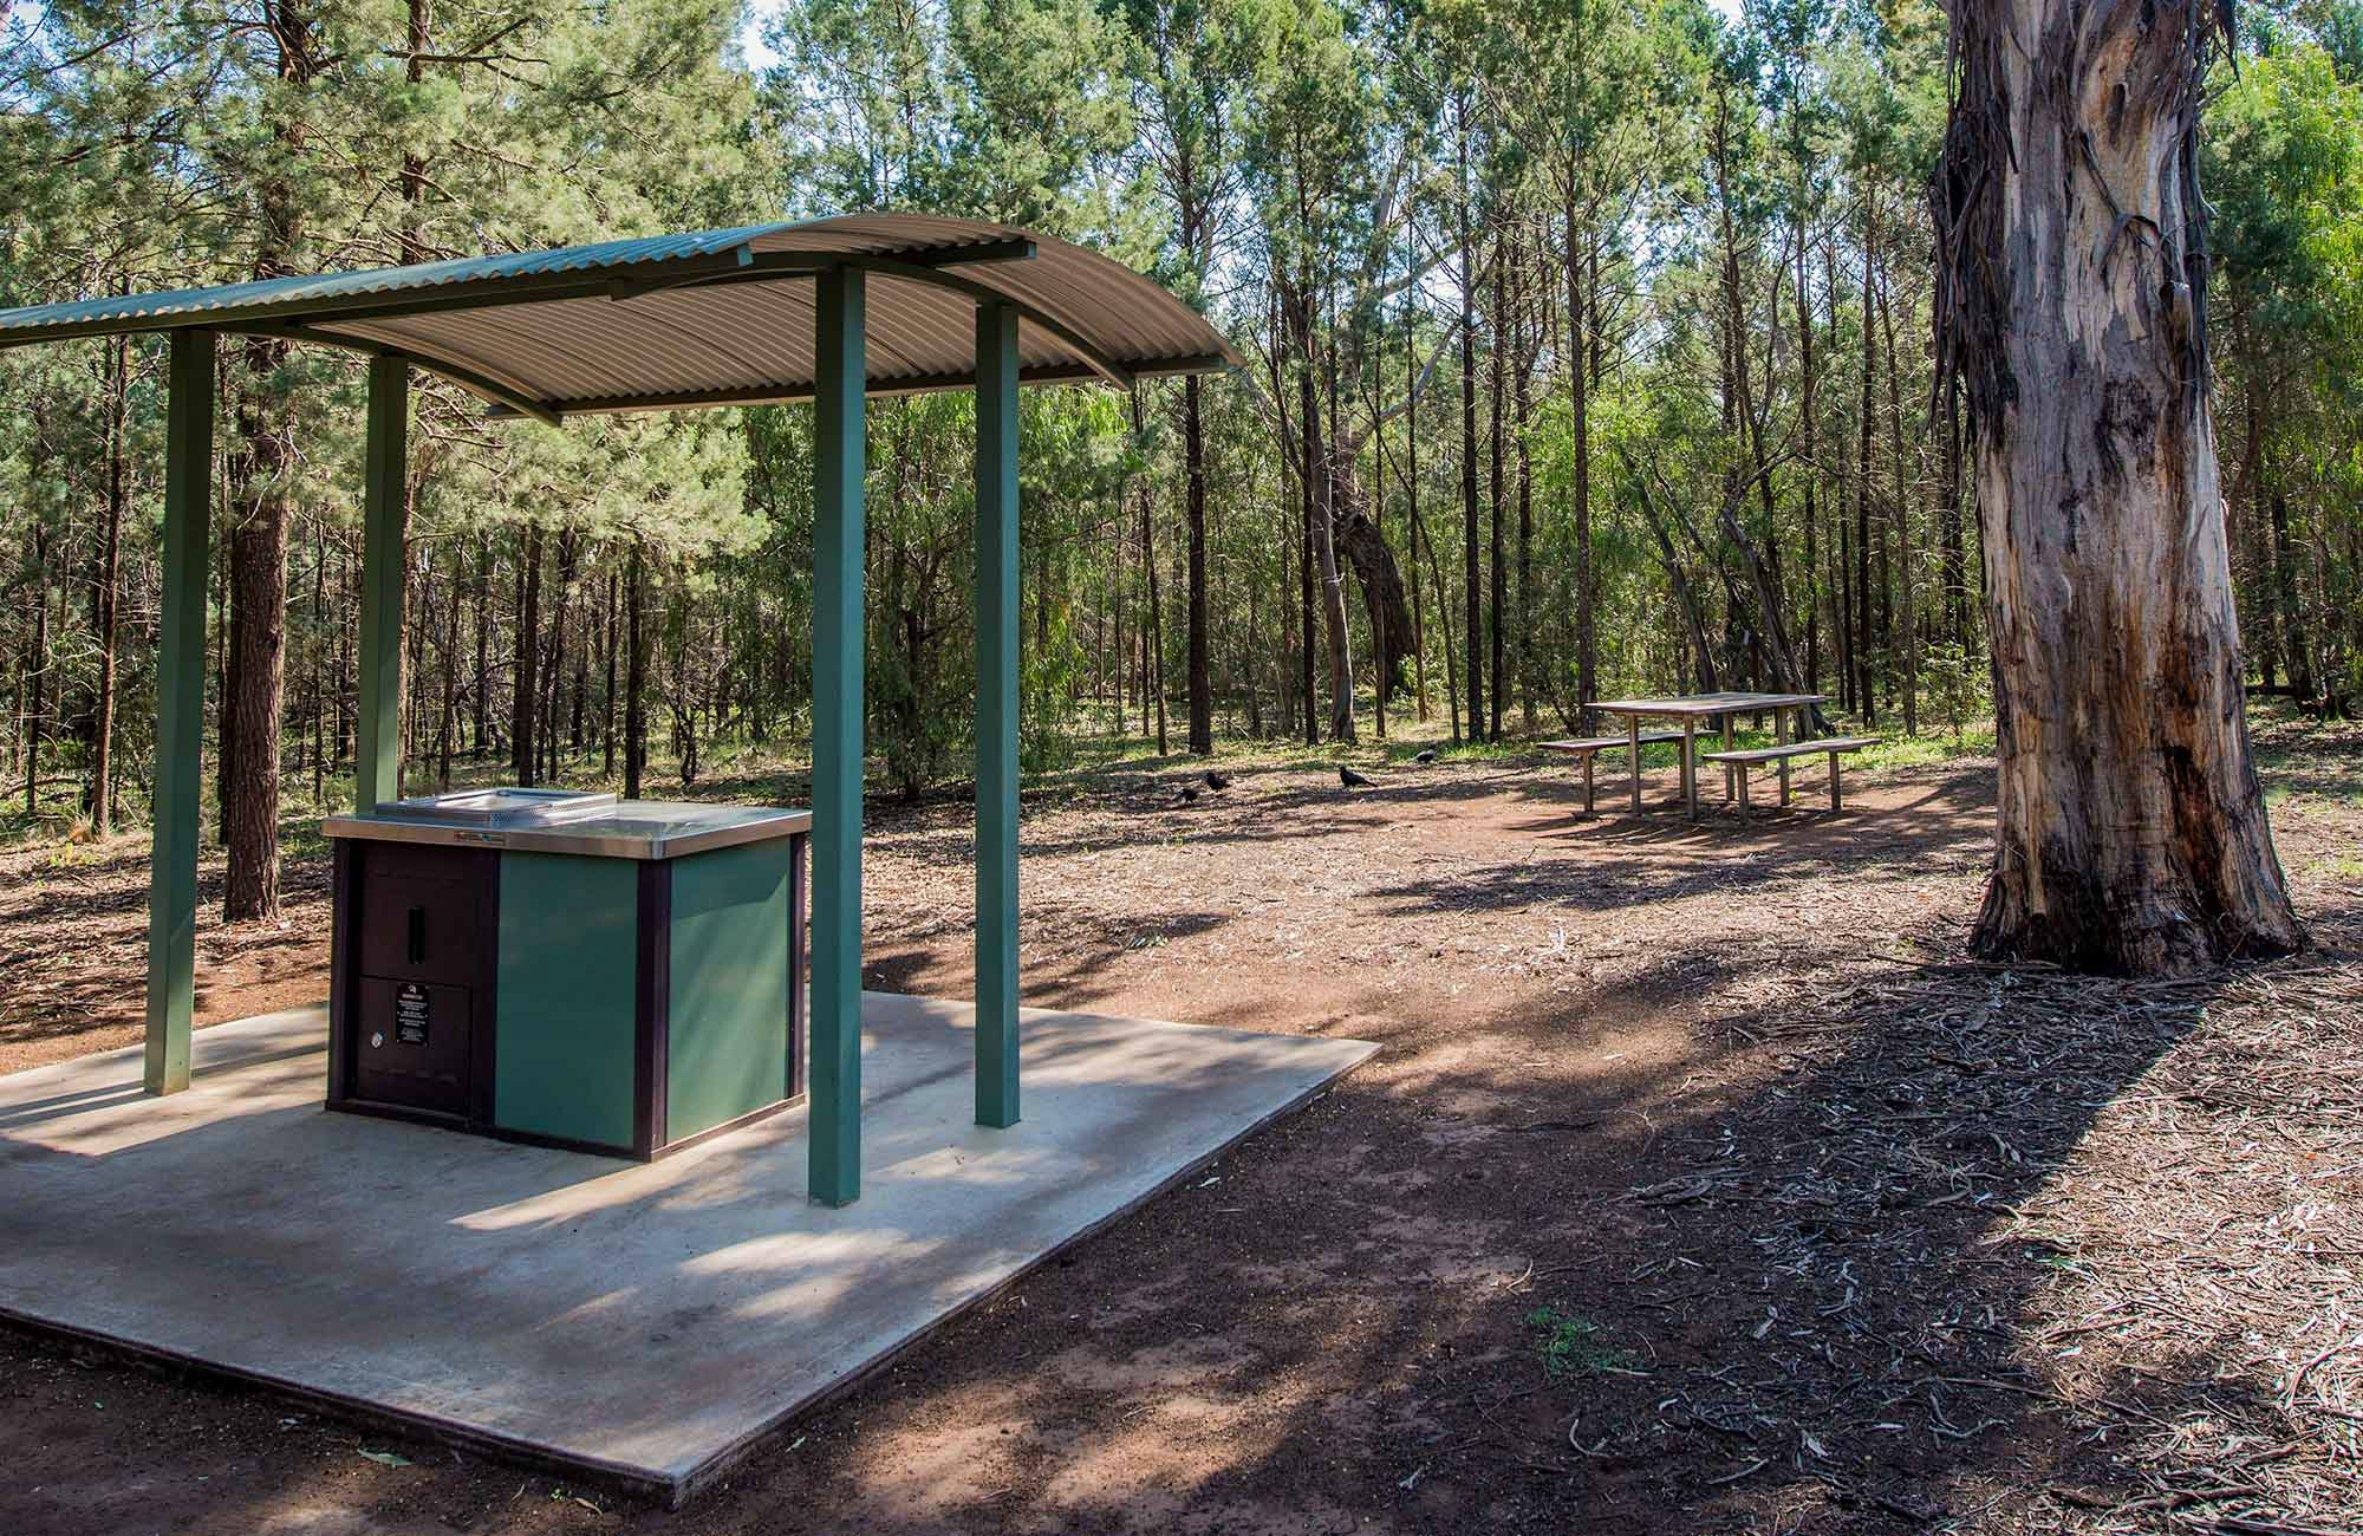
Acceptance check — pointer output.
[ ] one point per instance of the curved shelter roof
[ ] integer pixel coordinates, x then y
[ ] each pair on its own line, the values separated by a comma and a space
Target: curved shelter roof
718, 318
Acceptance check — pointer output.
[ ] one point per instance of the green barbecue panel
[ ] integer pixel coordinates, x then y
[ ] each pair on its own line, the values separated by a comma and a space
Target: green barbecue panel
726, 1050
564, 1001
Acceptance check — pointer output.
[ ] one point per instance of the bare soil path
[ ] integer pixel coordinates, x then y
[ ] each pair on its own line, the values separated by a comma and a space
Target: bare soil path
1703, 1184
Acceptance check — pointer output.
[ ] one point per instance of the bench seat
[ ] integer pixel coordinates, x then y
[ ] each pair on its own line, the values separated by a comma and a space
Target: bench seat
1590, 744
1584, 749
1793, 749
1836, 746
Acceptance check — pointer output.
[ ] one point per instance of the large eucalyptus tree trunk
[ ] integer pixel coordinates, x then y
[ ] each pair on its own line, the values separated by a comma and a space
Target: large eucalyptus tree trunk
2072, 305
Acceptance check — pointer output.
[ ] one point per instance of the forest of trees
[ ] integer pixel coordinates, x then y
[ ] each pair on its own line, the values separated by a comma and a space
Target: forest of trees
1590, 352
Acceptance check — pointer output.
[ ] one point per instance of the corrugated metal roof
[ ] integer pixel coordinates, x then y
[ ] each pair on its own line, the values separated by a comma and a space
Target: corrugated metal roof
714, 317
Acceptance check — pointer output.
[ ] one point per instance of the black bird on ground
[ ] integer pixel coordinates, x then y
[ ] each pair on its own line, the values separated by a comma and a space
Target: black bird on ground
1350, 779
1427, 756
1217, 780
1186, 795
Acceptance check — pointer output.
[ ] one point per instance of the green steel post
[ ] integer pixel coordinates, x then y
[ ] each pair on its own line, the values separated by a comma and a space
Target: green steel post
996, 715
180, 712
377, 749
839, 542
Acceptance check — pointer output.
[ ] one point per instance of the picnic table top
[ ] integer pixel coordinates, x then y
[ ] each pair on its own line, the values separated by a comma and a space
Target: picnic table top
1709, 703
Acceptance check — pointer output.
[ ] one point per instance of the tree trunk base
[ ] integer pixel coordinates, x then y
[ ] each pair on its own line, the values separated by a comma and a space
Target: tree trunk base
2087, 930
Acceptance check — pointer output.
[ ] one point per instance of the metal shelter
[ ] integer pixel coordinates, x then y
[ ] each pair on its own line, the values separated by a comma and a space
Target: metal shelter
830, 310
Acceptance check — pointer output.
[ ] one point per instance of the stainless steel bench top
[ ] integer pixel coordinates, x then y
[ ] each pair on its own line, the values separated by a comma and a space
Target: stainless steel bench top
568, 821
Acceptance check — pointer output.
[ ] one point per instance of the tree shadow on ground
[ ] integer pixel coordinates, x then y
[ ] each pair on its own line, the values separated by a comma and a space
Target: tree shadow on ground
1817, 1298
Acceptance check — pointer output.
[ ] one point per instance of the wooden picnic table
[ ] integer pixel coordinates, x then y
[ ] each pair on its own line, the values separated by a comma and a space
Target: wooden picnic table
1691, 708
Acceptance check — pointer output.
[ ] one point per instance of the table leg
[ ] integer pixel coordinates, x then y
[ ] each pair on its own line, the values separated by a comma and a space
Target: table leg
1690, 766
1729, 742
1742, 770
1780, 733
1633, 746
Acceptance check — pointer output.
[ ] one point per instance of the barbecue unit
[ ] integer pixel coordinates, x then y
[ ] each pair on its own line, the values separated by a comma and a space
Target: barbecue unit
556, 966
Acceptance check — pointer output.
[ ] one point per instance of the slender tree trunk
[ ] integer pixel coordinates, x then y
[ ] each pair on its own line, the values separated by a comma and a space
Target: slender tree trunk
1908, 642
480, 617
1201, 680
1444, 618
419, 33
320, 651
447, 666
1154, 631
2131, 833
1419, 630
1587, 662
258, 540
258, 642
1841, 594
635, 672
607, 697
226, 718
524, 692
1308, 486
554, 667
1808, 414
37, 658
101, 795
2295, 645
1472, 574
1321, 521
2263, 593
1497, 549
1866, 699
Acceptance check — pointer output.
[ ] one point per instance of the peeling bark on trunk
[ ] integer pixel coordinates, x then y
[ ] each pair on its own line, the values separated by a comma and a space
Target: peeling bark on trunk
253, 704
2131, 833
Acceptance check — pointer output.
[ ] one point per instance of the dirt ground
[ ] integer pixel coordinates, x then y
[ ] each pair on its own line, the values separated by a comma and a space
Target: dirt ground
1703, 1184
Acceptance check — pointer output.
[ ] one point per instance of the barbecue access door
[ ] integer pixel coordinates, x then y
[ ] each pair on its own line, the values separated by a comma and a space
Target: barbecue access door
413, 1045
419, 944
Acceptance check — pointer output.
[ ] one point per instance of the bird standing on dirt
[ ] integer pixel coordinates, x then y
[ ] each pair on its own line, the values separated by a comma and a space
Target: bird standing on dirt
1217, 780
1187, 794
1350, 779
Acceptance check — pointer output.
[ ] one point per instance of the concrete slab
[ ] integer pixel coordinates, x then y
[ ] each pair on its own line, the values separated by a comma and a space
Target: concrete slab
644, 1322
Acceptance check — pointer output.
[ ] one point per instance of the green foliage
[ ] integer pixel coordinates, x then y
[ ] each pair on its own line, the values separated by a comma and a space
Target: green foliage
1571, 1345
1691, 247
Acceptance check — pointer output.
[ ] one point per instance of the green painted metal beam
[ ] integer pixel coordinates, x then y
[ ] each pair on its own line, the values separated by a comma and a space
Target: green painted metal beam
839, 541
1119, 375
775, 264
508, 397
338, 298
996, 715
778, 394
180, 713
385, 512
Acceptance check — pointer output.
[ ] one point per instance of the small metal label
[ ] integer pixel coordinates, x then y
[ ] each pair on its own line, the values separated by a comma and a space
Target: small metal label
410, 1014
